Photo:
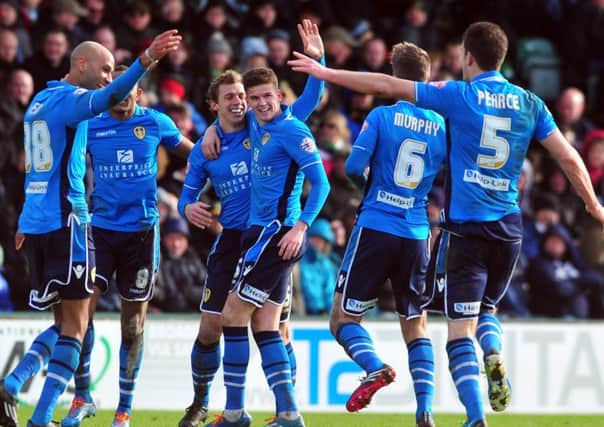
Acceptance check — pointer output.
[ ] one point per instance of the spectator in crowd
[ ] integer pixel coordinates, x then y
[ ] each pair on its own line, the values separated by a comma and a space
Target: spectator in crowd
212, 20
173, 91
94, 18
339, 45
172, 15
546, 213
9, 20
262, 18
6, 303
181, 273
29, 13
560, 284
137, 32
52, 62
593, 155
374, 56
66, 14
279, 48
416, 29
358, 106
319, 268
332, 135
9, 45
570, 109
105, 36
453, 59
254, 53
343, 193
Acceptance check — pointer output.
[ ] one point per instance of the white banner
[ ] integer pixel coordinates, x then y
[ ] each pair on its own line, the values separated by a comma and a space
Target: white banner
554, 367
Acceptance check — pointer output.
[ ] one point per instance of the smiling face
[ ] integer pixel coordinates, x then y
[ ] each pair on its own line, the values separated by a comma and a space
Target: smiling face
231, 105
265, 101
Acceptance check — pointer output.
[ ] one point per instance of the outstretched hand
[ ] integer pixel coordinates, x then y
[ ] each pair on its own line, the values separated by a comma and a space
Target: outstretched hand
307, 65
164, 43
311, 39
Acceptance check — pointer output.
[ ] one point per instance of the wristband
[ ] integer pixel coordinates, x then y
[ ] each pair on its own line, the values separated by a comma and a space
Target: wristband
148, 56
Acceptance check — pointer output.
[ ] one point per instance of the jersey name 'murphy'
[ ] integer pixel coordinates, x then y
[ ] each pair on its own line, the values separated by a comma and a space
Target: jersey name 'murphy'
416, 125
498, 100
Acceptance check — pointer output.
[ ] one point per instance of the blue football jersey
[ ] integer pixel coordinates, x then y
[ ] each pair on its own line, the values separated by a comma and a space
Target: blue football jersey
230, 176
405, 147
55, 149
491, 123
124, 161
281, 149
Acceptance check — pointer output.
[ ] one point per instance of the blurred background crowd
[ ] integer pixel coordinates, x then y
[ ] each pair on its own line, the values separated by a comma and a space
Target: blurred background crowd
556, 50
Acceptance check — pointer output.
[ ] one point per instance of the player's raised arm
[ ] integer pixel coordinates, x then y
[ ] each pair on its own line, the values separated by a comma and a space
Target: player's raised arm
571, 163
310, 98
378, 84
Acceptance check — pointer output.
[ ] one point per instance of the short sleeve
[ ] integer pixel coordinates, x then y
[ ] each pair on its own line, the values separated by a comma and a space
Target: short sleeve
545, 124
169, 135
441, 96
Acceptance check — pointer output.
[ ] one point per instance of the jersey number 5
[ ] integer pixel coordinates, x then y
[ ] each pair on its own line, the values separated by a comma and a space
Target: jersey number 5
489, 139
409, 168
37, 146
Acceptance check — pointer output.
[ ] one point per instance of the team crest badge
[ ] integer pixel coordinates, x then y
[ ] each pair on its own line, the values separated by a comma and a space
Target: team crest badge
265, 138
246, 144
140, 132
207, 293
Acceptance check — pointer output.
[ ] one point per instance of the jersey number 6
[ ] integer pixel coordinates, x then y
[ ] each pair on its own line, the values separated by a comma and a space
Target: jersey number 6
409, 169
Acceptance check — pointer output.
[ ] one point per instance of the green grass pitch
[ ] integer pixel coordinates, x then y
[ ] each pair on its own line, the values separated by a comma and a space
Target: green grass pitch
334, 419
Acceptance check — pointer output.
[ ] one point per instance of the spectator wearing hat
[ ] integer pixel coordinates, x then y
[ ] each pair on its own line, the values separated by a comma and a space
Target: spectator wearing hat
263, 17
319, 269
136, 33
181, 273
172, 91
561, 286
546, 213
52, 61
254, 53
339, 47
63, 14
9, 20
215, 18
280, 49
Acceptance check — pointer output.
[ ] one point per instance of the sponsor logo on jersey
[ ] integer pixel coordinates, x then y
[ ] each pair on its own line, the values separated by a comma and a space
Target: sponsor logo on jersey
467, 308
356, 306
485, 181
125, 156
37, 187
308, 145
265, 138
239, 168
140, 132
395, 200
253, 293
108, 132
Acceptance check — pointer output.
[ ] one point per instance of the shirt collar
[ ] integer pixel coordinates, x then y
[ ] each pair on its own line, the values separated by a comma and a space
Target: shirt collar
489, 76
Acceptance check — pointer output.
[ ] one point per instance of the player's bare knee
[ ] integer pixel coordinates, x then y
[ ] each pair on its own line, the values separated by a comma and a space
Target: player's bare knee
210, 329
413, 328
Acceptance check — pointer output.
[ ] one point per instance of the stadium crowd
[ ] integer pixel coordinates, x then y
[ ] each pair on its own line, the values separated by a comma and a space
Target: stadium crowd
556, 50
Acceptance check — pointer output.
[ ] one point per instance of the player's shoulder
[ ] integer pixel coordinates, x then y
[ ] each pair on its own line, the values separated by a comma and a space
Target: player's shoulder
408, 108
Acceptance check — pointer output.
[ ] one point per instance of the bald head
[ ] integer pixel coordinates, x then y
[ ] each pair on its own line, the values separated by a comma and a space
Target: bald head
88, 51
570, 105
91, 65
